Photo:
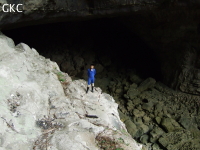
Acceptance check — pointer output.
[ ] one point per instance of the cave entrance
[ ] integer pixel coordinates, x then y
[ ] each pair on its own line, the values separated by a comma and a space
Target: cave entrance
105, 42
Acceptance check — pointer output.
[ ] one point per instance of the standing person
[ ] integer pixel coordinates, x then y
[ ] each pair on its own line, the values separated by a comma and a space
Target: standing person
91, 73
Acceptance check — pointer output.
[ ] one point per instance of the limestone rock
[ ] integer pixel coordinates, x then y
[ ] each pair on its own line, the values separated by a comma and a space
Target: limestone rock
144, 138
148, 106
41, 111
131, 127
133, 86
190, 124
132, 93
118, 91
138, 113
135, 79
146, 119
123, 117
146, 84
179, 140
158, 120
170, 124
155, 134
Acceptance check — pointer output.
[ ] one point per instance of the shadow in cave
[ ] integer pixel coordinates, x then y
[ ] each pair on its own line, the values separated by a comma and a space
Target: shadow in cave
106, 37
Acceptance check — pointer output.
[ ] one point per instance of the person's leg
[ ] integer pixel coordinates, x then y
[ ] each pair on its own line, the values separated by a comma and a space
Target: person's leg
89, 82
92, 85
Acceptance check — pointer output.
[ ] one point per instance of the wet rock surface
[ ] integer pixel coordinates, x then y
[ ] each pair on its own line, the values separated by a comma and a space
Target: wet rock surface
42, 108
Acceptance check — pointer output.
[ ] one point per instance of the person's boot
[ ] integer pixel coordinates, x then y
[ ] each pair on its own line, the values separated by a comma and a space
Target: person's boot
92, 88
87, 90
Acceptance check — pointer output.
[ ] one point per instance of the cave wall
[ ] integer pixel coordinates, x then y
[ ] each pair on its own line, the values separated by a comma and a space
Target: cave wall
46, 11
174, 36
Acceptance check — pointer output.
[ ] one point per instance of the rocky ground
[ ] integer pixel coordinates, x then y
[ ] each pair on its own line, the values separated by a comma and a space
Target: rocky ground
154, 114
42, 108
161, 117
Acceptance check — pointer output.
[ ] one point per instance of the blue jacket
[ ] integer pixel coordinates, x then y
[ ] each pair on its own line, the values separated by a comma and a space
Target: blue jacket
91, 73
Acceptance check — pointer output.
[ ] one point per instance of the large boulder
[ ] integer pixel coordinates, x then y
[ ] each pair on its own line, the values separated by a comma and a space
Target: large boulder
170, 124
131, 127
190, 124
146, 84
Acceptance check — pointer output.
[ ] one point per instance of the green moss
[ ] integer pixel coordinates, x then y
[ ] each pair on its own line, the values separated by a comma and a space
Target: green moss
60, 75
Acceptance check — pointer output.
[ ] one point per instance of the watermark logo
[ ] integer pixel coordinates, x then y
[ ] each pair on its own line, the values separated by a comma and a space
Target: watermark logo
12, 8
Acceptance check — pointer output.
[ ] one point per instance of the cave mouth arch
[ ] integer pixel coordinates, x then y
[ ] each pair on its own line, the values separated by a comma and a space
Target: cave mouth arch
104, 37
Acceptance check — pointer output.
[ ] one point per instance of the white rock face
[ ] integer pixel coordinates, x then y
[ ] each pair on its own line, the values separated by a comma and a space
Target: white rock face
38, 112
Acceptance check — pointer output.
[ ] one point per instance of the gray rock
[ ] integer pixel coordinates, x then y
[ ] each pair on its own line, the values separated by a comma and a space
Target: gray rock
123, 117
146, 84
135, 79
187, 123
144, 139
158, 108
158, 120
138, 113
155, 134
144, 128
118, 91
131, 127
146, 119
170, 124
133, 86
155, 147
191, 125
179, 140
132, 93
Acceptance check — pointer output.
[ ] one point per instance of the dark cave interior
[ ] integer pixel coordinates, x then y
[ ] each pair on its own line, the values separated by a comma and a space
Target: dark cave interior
105, 37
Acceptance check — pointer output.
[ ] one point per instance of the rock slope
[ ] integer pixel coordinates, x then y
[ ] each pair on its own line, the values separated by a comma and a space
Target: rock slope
42, 108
